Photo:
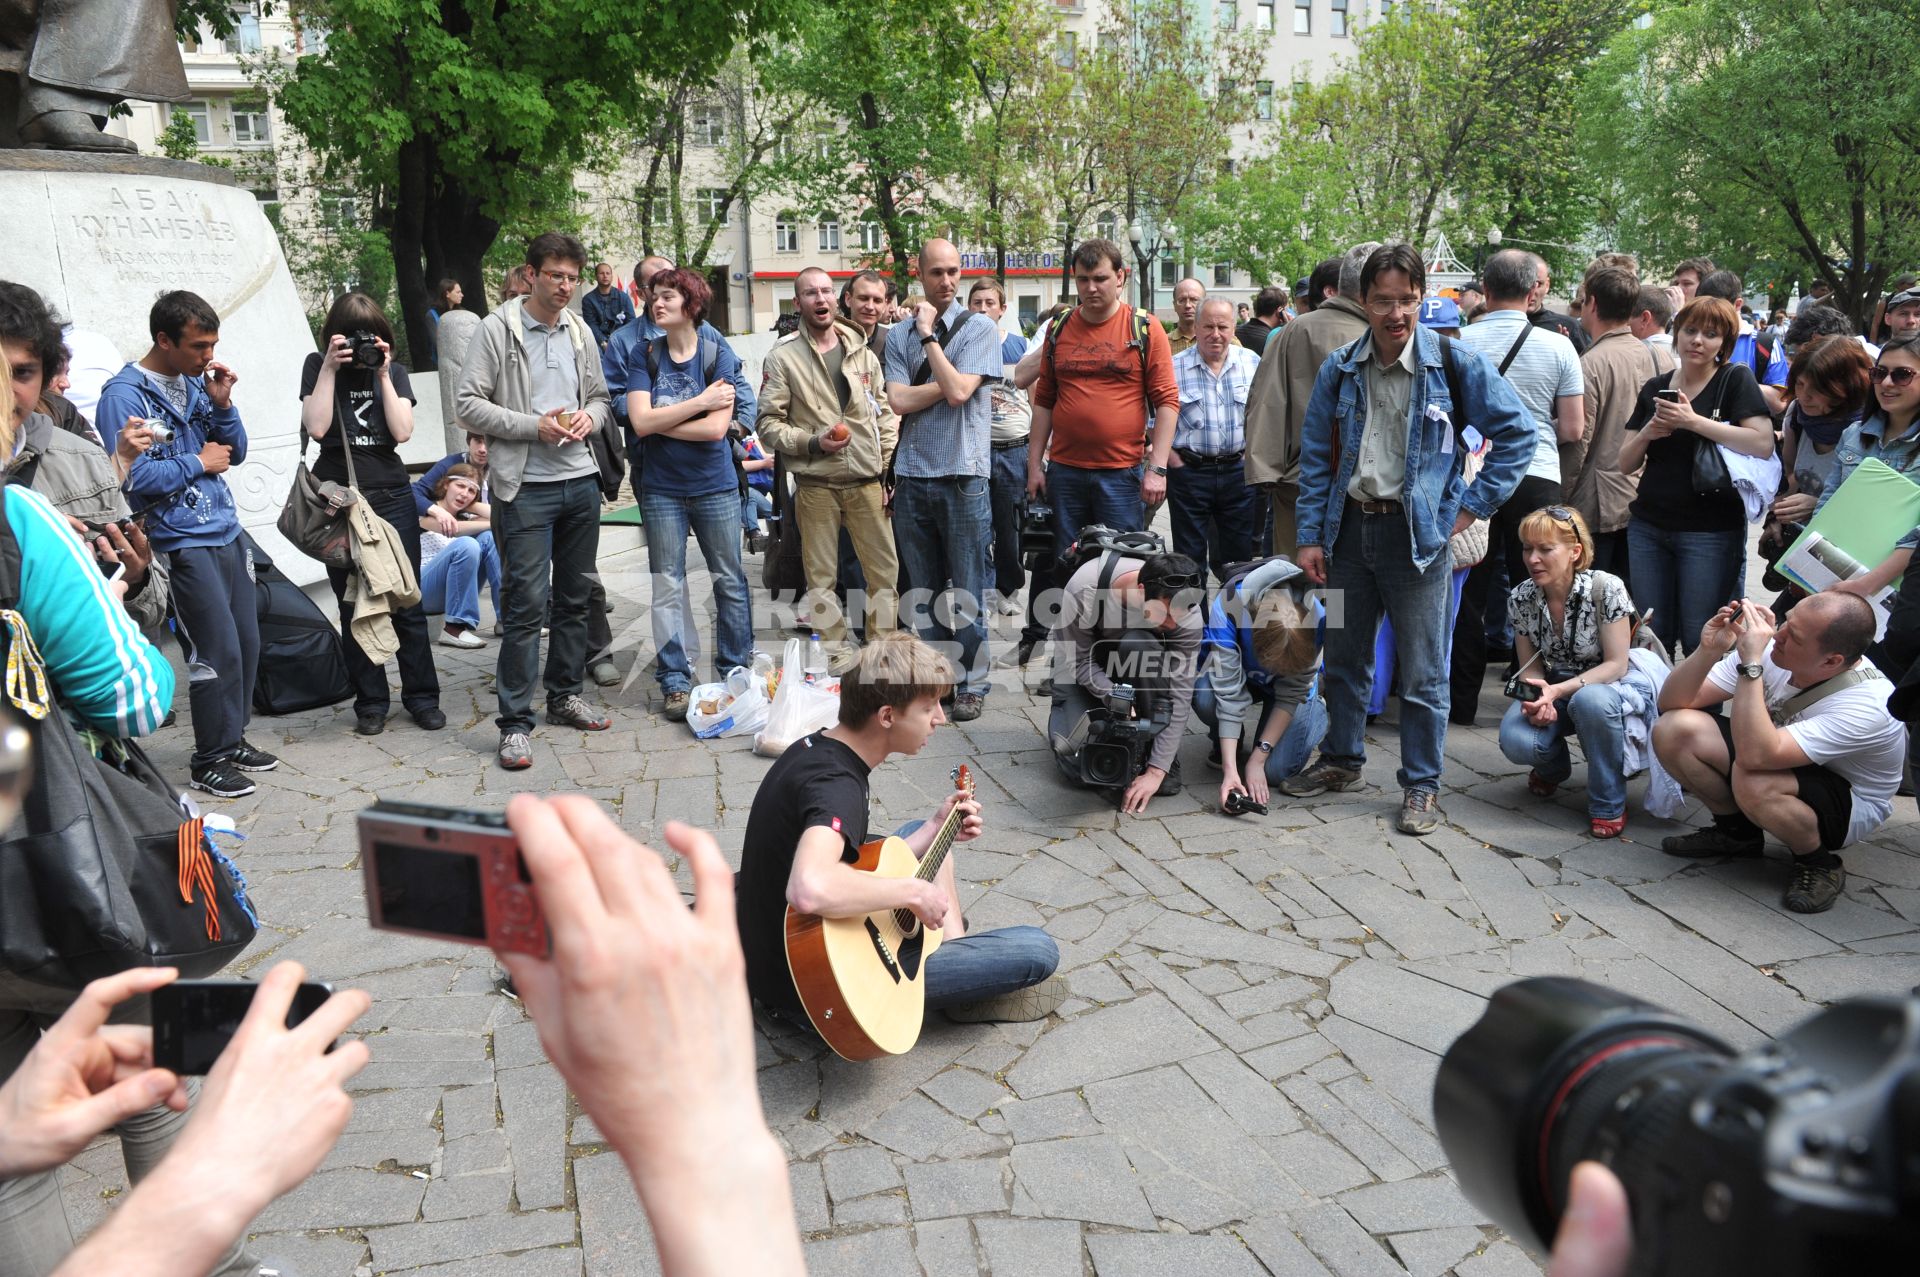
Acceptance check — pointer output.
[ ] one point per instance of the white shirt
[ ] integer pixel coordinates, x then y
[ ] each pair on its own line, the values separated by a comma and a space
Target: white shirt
1546, 369
1849, 733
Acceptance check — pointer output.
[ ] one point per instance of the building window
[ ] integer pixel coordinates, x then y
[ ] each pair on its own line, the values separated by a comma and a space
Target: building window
1067, 52
1169, 269
1227, 13
1063, 233
1263, 16
1029, 310
1228, 88
709, 127
786, 234
1338, 27
1386, 8
202, 116
250, 127
1108, 43
713, 204
1263, 98
1303, 17
246, 31
1223, 274
830, 235
1107, 225
870, 234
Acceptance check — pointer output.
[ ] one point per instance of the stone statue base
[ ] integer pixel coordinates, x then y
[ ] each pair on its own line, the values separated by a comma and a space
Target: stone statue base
99, 236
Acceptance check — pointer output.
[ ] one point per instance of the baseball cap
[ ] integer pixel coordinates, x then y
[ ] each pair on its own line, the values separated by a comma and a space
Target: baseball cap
1905, 298
1440, 312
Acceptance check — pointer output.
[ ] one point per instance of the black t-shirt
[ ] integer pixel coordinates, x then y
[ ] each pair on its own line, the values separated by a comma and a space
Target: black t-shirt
357, 406
1667, 499
1253, 335
818, 781
1566, 325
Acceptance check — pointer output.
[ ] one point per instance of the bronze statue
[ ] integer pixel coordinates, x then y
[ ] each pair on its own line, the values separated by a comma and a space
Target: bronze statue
66, 64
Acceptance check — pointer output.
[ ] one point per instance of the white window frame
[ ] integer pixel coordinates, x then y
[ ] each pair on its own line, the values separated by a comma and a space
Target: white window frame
201, 113
830, 235
1303, 17
708, 200
786, 234
250, 137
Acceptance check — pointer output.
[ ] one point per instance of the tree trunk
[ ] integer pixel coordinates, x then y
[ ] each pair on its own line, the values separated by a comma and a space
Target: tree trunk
407, 236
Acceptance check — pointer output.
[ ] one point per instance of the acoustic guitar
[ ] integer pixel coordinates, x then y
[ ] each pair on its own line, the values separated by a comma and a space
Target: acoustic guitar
860, 979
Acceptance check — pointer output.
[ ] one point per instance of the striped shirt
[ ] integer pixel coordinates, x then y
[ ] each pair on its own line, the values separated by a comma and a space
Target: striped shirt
1213, 407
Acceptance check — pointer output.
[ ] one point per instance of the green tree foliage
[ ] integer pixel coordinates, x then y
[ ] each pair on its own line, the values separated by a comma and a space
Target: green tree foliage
1765, 136
1001, 199
178, 141
468, 117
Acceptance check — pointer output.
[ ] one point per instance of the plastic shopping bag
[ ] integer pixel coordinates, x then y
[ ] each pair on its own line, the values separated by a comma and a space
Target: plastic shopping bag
733, 708
799, 707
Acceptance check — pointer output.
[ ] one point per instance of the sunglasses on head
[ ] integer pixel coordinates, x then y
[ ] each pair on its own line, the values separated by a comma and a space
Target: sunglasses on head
1559, 513
1898, 376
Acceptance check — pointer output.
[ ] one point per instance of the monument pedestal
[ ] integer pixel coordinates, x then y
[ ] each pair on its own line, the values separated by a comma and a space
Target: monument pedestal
99, 236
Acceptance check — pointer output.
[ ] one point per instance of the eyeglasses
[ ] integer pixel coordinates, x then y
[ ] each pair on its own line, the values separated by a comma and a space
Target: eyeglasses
1900, 377
560, 277
1387, 306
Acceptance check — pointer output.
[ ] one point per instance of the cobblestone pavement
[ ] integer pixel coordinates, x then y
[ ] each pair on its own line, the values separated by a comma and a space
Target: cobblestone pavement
1240, 1082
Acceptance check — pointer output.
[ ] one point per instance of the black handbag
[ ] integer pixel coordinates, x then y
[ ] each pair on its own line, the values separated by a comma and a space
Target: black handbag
782, 571
1710, 476
105, 868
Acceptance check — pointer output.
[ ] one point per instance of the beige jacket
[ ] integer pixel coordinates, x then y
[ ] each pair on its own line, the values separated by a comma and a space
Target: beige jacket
1614, 369
799, 402
381, 584
1277, 400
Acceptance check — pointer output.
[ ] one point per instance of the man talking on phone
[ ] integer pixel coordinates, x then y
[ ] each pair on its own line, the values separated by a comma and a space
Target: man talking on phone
534, 387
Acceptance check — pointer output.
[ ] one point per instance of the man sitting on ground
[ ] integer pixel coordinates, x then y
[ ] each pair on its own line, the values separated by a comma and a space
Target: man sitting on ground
1809, 753
809, 819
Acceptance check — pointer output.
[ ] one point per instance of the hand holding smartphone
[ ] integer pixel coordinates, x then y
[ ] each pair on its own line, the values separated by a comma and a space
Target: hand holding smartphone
194, 1020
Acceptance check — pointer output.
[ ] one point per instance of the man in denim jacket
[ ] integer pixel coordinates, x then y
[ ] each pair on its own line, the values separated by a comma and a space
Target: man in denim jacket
1380, 494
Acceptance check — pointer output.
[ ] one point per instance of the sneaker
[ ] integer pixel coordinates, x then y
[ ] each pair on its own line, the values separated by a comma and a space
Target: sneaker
604, 672
431, 719
249, 759
677, 707
1009, 604
756, 542
1321, 778
516, 751
369, 724
499, 629
1714, 840
1419, 812
1021, 656
1814, 889
221, 780
571, 711
1170, 783
1036, 1002
1214, 762
451, 637
966, 707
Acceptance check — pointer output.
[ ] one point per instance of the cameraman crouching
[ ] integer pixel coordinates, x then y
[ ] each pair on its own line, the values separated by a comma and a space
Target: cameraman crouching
1126, 650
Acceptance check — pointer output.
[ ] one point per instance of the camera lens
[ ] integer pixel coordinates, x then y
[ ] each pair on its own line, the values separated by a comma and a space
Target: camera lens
1557, 1070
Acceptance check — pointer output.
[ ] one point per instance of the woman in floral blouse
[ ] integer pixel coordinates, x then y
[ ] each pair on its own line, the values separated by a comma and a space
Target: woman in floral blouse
1571, 631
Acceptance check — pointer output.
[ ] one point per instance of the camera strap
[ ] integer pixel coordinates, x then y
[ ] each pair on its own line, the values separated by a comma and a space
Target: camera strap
1796, 706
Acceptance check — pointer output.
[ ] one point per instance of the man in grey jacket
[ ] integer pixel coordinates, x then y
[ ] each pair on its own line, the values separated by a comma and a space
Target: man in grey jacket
533, 385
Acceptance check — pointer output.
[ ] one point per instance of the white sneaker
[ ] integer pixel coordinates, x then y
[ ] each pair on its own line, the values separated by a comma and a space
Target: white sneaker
1009, 604
465, 638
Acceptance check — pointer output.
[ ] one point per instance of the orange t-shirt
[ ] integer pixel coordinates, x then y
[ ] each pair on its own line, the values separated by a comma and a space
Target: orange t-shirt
1092, 382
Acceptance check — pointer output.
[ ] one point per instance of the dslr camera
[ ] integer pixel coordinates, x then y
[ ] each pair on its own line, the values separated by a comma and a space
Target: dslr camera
1036, 537
1801, 1155
366, 350
1111, 746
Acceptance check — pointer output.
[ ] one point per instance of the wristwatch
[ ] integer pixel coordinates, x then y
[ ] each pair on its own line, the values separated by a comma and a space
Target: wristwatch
1265, 746
1750, 671
929, 337
1159, 470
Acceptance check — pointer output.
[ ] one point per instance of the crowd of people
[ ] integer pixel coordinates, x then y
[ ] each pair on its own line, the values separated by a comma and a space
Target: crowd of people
1373, 490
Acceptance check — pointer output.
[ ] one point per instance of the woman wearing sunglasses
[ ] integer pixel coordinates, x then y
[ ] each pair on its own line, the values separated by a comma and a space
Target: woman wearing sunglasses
1886, 433
1572, 627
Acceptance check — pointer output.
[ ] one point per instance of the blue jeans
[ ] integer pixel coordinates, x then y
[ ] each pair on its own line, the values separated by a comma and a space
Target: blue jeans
549, 540
755, 505
1213, 515
1371, 568
986, 964
941, 528
1083, 497
714, 520
450, 582
1383, 650
1009, 499
1685, 577
1305, 730
1597, 714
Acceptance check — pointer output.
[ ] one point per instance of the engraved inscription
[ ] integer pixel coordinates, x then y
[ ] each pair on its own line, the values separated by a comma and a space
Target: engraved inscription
157, 236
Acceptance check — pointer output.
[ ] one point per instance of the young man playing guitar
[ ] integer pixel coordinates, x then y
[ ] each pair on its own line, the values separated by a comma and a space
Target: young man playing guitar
809, 821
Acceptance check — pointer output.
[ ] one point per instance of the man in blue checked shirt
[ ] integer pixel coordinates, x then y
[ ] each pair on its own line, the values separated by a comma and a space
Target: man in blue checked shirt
1213, 508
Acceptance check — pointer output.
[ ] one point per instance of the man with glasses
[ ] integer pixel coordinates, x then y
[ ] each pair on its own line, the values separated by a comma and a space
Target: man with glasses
534, 387
1380, 494
1127, 647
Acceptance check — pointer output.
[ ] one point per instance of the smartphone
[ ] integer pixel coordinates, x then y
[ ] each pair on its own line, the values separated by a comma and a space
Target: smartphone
1671, 396
193, 1020
450, 873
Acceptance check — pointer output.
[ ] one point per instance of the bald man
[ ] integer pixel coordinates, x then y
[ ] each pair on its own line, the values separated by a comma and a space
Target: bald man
1187, 296
938, 365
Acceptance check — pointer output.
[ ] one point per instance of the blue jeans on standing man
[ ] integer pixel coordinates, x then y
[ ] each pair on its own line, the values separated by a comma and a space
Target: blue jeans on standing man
1081, 498
549, 540
941, 527
1009, 495
1597, 714
1213, 513
1685, 577
1371, 568
714, 520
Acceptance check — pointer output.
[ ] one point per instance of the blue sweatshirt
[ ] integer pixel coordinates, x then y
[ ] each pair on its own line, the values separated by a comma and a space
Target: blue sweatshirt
185, 506
105, 671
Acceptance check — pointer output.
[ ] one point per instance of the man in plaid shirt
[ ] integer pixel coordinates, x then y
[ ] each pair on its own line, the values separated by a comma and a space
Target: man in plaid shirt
1213, 508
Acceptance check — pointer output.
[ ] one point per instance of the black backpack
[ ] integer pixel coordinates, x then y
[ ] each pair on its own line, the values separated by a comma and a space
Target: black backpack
302, 665
1097, 539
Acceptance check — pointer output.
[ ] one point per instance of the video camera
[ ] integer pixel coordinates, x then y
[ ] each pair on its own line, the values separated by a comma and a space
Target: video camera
1109, 745
1801, 1155
1036, 538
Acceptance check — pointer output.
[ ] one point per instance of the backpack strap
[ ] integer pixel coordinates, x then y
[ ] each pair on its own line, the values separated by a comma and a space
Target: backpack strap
1795, 707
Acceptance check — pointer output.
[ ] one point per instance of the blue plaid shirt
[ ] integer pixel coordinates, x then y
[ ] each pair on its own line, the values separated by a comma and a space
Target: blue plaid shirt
1213, 409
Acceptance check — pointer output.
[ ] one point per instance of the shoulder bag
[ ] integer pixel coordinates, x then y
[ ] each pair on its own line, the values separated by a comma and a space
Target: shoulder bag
106, 867
310, 520
1710, 475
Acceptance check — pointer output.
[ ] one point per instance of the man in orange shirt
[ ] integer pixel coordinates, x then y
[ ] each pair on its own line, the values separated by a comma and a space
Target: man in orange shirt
1102, 376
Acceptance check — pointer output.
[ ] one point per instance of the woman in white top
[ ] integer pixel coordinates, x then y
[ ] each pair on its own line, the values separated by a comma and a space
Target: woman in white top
451, 566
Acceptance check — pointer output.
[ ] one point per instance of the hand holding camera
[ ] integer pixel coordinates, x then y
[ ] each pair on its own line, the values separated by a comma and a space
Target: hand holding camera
1119, 700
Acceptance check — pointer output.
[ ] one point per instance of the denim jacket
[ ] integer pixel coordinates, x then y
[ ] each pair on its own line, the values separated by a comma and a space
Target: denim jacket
1867, 438
1434, 493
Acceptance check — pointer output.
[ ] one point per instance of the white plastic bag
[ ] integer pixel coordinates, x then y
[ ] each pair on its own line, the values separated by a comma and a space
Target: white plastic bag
799, 707
716, 709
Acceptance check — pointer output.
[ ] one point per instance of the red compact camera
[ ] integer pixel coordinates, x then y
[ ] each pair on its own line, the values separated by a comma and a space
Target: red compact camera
449, 873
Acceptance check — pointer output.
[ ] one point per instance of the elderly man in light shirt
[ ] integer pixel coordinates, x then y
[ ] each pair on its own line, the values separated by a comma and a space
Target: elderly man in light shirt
1213, 507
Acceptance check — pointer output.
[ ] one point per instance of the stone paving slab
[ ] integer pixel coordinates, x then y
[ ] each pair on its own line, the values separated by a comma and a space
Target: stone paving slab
1239, 1083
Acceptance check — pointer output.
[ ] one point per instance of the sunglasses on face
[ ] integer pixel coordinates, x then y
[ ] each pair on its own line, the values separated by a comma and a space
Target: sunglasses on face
1900, 377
